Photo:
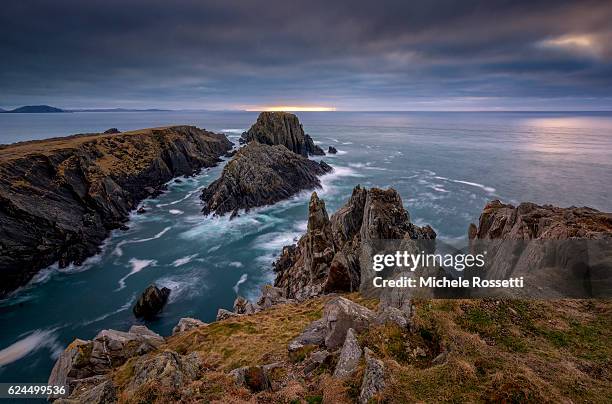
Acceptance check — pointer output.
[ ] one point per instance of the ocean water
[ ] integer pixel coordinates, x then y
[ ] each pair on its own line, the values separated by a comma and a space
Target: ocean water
446, 166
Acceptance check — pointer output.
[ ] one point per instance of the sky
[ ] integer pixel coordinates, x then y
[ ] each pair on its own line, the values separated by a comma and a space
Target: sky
342, 54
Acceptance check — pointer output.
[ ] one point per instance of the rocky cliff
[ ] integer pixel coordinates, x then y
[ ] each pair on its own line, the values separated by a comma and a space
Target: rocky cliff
333, 253
60, 197
282, 128
259, 175
560, 252
529, 221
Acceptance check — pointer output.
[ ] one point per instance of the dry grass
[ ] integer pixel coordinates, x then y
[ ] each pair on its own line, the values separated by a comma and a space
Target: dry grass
498, 351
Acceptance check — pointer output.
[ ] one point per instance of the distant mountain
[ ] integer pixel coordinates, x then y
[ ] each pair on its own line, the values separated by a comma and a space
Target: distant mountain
118, 110
31, 109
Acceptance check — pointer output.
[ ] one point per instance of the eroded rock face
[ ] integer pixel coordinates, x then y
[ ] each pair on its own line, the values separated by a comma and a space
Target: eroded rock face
109, 349
260, 175
281, 128
59, 198
92, 390
349, 356
151, 302
333, 253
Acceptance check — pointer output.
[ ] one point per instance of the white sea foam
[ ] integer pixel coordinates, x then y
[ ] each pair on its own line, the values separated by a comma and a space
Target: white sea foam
184, 260
233, 130
119, 251
36, 340
137, 266
175, 212
236, 264
439, 188
243, 279
276, 241
489, 190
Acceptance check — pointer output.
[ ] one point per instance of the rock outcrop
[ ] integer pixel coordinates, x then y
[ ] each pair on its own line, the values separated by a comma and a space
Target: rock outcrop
151, 301
529, 221
559, 252
59, 198
349, 356
260, 175
329, 257
281, 128
332, 150
373, 378
109, 349
186, 324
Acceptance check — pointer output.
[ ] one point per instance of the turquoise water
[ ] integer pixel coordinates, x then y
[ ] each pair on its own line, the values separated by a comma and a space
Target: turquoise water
446, 166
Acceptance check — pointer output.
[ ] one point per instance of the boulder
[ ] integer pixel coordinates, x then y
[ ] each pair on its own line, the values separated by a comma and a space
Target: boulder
167, 370
109, 349
91, 390
243, 306
313, 335
373, 379
271, 296
260, 175
223, 314
349, 356
315, 360
281, 128
151, 302
341, 314
332, 150
253, 377
186, 324
392, 315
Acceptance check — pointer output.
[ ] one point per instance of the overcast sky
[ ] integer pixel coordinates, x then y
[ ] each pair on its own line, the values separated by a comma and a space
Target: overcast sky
351, 55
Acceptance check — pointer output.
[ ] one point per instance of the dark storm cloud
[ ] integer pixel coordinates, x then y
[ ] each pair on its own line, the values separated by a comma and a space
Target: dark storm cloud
353, 54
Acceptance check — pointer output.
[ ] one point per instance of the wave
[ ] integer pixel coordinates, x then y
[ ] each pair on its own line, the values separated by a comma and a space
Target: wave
243, 279
236, 264
187, 196
175, 212
488, 189
119, 251
137, 266
276, 241
184, 260
36, 340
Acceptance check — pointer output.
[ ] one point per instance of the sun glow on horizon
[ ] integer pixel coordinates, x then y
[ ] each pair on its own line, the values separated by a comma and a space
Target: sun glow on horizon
291, 108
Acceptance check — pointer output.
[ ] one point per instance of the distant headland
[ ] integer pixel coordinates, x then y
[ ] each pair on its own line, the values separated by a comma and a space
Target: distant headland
42, 109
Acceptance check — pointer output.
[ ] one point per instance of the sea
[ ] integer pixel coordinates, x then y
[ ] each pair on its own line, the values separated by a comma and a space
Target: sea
445, 165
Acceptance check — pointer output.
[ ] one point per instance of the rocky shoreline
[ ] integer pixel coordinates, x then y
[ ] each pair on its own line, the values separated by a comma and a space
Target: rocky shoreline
60, 198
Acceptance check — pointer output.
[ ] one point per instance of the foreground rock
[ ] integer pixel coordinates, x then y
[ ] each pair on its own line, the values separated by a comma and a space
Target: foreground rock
330, 257
349, 356
109, 349
151, 302
341, 315
59, 198
373, 378
281, 128
186, 324
332, 150
260, 175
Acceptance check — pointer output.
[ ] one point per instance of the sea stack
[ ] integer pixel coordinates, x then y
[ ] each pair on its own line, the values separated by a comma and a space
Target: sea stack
282, 128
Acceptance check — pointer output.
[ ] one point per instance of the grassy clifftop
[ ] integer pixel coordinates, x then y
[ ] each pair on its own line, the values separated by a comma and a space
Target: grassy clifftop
493, 351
